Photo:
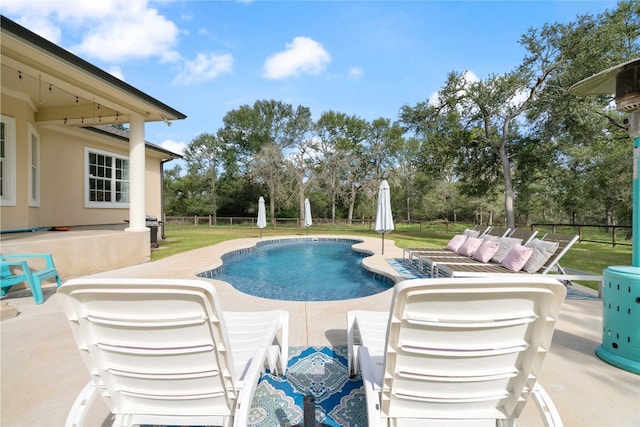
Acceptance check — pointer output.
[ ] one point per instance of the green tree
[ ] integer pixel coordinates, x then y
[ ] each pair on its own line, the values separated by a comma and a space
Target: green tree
587, 132
258, 136
204, 157
329, 130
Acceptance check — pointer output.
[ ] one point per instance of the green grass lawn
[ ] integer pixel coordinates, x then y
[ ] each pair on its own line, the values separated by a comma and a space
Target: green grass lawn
584, 256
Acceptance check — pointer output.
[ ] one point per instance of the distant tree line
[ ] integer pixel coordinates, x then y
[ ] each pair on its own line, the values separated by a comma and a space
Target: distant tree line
512, 148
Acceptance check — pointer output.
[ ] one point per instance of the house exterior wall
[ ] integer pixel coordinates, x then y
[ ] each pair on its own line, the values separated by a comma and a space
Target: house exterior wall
23, 114
62, 175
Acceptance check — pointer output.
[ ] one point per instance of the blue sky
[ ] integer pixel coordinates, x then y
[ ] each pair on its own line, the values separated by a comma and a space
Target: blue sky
366, 58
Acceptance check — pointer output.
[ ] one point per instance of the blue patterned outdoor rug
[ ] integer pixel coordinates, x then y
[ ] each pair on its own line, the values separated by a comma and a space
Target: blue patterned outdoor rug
410, 271
321, 372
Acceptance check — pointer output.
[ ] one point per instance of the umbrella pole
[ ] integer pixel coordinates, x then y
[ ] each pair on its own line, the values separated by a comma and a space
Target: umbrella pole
382, 243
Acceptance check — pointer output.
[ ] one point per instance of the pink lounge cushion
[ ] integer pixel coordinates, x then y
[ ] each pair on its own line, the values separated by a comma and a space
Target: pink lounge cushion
516, 258
455, 242
470, 246
506, 243
542, 251
487, 249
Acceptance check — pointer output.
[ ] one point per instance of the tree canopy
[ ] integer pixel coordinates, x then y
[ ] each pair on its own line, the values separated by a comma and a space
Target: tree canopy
514, 147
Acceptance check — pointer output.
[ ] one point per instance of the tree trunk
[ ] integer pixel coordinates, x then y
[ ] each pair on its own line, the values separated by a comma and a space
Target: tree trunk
272, 204
508, 188
214, 199
333, 208
352, 203
301, 205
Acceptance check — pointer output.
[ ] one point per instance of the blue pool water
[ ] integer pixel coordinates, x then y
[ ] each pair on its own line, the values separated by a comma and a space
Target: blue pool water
321, 270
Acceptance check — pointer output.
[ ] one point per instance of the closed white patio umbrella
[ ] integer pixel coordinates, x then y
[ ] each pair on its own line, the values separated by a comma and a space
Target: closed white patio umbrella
307, 215
384, 217
262, 215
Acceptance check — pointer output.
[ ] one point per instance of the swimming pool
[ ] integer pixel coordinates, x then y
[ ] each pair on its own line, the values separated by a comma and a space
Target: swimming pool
299, 270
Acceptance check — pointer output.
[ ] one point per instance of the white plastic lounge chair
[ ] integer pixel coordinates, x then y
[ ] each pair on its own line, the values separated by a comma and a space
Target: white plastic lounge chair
161, 352
457, 351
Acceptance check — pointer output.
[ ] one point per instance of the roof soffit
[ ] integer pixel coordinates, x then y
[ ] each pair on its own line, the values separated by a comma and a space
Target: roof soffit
63, 92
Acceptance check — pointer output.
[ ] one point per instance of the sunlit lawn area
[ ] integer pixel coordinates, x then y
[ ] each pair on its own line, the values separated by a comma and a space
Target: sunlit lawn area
584, 256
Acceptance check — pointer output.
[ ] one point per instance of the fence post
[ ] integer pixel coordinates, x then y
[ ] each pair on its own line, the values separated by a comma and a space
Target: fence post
195, 221
613, 237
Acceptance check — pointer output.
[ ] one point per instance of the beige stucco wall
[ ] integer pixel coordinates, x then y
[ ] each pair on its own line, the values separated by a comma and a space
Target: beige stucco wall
23, 114
77, 253
62, 177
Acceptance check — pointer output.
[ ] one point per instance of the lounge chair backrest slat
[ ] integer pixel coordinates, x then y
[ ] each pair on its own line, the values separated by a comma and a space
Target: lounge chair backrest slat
565, 242
467, 348
498, 231
161, 349
524, 234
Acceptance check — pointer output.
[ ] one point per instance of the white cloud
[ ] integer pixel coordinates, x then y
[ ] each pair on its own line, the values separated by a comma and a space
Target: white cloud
141, 34
174, 146
109, 30
42, 27
469, 78
203, 68
116, 72
434, 99
303, 55
355, 72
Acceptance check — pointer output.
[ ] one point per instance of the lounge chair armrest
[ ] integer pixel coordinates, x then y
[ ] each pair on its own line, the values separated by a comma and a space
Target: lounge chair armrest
27, 256
48, 258
548, 411
352, 351
248, 387
283, 340
81, 406
372, 392
21, 264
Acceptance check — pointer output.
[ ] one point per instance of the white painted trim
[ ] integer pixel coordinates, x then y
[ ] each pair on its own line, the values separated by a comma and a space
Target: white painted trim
34, 174
10, 167
106, 205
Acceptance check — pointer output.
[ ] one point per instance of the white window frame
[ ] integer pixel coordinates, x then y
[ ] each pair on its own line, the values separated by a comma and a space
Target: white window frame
8, 181
88, 203
34, 166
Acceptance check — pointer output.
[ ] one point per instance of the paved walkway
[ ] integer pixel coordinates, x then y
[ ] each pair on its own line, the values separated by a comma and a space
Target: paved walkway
42, 371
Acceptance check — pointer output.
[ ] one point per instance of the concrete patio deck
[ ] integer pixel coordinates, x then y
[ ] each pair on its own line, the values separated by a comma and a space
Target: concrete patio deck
42, 371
